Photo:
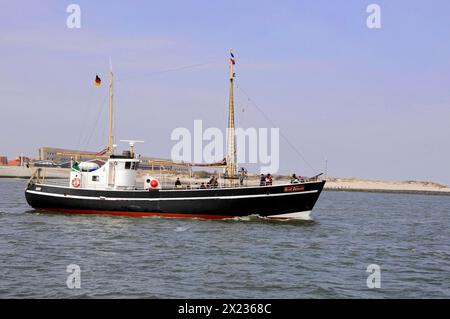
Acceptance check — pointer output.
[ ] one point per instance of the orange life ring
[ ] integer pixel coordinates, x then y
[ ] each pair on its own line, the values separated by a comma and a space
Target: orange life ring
76, 182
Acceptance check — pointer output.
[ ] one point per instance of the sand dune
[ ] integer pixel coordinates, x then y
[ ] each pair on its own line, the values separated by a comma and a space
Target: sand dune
387, 186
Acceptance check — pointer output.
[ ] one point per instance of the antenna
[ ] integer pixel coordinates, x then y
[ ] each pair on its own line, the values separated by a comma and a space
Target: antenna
131, 143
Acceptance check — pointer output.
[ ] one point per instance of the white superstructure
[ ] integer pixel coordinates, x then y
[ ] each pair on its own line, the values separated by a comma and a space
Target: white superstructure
118, 173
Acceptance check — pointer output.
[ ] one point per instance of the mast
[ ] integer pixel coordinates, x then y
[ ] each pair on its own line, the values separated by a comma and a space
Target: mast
110, 139
231, 141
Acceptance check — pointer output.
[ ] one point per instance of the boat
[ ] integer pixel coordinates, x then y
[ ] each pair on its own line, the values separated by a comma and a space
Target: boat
109, 187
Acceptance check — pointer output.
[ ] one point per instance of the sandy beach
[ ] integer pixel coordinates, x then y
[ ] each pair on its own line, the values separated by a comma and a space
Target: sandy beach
355, 184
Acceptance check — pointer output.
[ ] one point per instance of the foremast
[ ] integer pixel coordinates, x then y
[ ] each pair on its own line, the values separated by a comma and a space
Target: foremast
231, 170
111, 95
109, 150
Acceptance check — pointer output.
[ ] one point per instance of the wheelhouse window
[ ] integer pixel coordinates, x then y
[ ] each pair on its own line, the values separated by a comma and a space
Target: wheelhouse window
96, 178
127, 165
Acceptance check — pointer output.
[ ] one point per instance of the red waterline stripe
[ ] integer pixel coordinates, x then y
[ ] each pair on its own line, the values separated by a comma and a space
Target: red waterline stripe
131, 214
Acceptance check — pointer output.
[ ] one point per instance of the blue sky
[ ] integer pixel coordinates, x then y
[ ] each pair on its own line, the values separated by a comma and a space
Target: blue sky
375, 103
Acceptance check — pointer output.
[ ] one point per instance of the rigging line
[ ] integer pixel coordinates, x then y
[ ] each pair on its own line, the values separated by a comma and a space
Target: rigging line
86, 109
239, 109
274, 125
104, 130
96, 122
191, 66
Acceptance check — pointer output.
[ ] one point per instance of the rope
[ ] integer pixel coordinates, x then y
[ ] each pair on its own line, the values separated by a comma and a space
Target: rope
96, 122
85, 112
191, 66
274, 125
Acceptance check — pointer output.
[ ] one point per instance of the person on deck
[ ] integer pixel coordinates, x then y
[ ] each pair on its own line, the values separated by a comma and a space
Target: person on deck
242, 176
177, 183
262, 181
269, 180
211, 182
294, 179
202, 186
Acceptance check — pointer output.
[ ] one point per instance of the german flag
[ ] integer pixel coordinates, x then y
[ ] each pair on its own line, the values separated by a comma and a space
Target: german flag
97, 81
232, 60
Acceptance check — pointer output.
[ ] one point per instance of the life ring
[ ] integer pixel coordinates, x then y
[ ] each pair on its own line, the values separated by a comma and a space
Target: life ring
76, 182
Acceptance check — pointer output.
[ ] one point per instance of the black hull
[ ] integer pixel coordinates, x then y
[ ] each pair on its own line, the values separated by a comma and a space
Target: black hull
280, 201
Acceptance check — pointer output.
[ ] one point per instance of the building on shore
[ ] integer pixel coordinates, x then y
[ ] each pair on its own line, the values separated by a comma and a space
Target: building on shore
3, 160
19, 161
62, 155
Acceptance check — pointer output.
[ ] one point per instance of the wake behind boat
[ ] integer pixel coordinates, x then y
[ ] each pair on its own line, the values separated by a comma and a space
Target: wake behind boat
109, 187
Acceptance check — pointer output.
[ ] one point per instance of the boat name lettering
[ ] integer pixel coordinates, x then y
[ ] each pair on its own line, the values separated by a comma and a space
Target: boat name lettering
294, 188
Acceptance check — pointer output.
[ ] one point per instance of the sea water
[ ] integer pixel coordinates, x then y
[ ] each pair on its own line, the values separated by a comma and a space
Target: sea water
333, 255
